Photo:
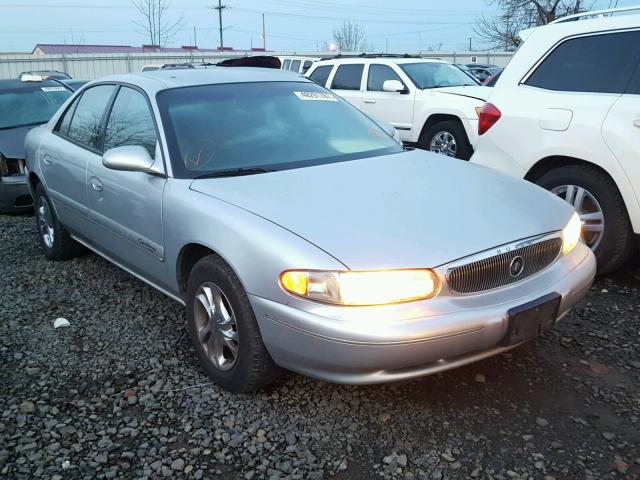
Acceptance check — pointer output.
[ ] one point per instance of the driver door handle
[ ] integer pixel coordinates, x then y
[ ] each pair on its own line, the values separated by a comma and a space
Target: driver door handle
96, 184
369, 100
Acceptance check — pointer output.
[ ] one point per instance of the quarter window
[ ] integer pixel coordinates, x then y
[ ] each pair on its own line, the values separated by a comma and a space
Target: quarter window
63, 125
130, 122
321, 74
286, 64
597, 63
378, 74
295, 66
87, 120
306, 65
348, 77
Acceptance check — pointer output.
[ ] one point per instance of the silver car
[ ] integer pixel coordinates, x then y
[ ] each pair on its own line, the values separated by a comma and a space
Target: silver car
297, 232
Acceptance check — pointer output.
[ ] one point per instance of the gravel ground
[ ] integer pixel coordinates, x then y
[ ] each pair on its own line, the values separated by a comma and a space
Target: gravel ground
118, 394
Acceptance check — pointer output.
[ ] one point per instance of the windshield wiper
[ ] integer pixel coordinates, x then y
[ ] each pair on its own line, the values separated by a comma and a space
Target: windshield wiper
234, 172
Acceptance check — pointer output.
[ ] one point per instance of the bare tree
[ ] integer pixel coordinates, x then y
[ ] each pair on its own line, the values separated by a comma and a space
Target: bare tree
501, 30
155, 23
350, 37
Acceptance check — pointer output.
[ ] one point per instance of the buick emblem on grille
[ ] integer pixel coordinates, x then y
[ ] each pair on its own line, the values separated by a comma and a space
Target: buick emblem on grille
516, 266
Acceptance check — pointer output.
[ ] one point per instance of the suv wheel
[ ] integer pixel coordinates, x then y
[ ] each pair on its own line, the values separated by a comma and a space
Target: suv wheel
223, 329
448, 138
56, 242
605, 224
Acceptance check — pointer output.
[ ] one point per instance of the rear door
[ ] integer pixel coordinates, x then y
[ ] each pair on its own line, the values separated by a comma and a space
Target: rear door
75, 141
127, 206
347, 82
395, 108
621, 131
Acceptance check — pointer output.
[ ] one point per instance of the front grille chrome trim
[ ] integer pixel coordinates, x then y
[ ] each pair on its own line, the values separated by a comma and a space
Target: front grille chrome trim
490, 269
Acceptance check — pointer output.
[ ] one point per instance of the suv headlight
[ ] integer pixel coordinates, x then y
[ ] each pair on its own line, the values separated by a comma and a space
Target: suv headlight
571, 233
376, 287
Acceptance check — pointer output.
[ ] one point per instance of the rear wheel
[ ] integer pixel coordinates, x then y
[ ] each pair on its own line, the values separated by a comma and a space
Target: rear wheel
606, 228
447, 138
223, 329
56, 242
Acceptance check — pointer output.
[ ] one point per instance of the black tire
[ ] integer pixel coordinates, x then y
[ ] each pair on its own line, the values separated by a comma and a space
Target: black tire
62, 246
616, 244
463, 147
253, 368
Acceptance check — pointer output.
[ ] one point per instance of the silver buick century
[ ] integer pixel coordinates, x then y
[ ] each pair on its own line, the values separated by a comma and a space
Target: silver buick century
297, 231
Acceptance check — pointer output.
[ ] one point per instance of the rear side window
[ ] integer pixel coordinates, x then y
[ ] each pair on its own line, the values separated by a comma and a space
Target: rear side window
321, 74
378, 74
286, 64
306, 65
130, 122
598, 64
348, 77
295, 66
87, 119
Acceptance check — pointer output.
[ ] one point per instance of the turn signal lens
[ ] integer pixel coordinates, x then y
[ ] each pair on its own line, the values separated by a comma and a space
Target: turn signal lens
571, 234
377, 287
489, 115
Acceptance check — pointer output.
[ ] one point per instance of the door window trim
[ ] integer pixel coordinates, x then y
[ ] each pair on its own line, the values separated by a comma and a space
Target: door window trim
335, 72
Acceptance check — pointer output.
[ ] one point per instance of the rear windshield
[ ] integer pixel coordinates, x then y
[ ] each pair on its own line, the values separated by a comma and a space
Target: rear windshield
271, 125
434, 75
30, 106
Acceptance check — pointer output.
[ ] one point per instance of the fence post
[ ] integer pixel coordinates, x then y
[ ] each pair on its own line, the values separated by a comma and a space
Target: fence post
129, 69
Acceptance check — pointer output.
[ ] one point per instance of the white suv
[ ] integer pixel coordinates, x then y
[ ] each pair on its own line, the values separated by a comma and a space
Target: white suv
565, 114
430, 102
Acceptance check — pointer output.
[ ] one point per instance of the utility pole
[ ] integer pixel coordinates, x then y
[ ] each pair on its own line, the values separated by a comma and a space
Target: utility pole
195, 36
264, 35
470, 49
219, 8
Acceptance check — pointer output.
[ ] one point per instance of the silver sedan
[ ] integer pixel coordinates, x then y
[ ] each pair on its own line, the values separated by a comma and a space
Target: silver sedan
297, 232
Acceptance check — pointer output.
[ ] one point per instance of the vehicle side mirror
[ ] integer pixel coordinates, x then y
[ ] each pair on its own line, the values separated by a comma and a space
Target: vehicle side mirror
130, 158
395, 86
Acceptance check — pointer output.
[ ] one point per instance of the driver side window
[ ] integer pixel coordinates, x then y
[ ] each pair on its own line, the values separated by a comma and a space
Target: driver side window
378, 74
130, 122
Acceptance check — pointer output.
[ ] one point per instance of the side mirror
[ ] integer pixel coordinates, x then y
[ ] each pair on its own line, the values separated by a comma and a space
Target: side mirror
131, 158
395, 86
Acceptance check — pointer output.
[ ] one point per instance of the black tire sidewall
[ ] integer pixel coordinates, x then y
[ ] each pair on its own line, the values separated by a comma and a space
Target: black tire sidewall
464, 150
209, 269
614, 246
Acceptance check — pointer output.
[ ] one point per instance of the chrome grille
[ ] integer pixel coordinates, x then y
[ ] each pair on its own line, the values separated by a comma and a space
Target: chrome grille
494, 272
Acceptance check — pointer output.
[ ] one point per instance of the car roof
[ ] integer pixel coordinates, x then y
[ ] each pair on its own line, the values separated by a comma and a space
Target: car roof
14, 84
164, 79
398, 60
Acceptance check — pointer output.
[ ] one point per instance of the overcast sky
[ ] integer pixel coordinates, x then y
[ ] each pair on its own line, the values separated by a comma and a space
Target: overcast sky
291, 25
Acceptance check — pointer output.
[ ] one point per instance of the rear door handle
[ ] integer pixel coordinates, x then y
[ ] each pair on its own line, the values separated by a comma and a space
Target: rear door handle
47, 159
636, 123
96, 184
369, 101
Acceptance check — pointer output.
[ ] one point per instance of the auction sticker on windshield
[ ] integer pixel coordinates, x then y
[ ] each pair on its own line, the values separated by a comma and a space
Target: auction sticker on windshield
316, 96
53, 89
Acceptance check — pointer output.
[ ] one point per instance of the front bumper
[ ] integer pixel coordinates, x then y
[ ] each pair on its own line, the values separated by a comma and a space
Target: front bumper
379, 344
14, 194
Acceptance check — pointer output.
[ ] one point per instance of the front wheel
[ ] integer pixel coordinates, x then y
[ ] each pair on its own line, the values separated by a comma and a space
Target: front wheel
447, 138
606, 228
223, 329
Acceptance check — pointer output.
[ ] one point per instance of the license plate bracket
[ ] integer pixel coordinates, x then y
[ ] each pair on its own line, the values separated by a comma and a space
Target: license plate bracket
531, 319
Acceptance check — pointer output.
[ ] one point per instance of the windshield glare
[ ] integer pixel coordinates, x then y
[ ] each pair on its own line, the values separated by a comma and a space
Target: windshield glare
270, 125
30, 106
435, 74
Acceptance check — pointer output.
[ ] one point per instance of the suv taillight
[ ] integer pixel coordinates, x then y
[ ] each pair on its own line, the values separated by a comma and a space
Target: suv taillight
489, 115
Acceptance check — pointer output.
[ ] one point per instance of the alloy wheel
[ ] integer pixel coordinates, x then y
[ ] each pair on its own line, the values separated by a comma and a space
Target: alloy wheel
216, 326
445, 143
589, 210
45, 222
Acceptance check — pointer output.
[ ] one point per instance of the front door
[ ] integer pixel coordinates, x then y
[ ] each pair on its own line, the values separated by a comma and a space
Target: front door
127, 206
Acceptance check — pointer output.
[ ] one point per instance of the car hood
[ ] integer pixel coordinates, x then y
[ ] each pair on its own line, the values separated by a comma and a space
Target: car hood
478, 92
12, 141
412, 209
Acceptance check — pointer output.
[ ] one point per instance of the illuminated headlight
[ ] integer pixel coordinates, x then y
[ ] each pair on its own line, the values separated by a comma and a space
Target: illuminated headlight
571, 234
377, 287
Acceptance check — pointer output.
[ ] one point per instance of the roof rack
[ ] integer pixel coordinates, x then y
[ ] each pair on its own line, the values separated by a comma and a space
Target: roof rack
595, 13
371, 55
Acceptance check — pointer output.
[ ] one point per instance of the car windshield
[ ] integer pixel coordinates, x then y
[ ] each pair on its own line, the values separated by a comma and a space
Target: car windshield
264, 126
30, 105
434, 74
